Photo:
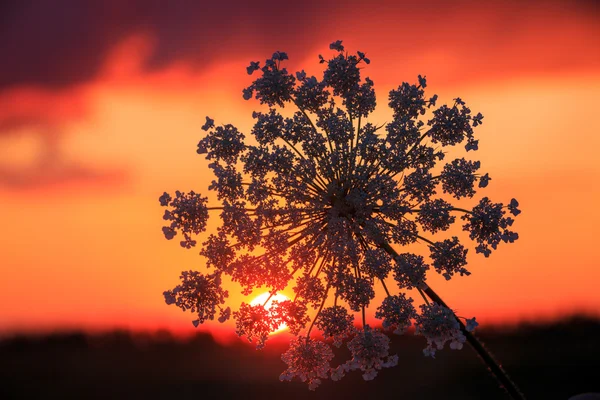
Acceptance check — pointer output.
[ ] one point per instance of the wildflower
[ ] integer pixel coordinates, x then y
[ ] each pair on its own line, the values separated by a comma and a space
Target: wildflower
188, 216
435, 215
458, 177
225, 315
370, 353
337, 45
410, 270
164, 199
210, 123
488, 226
449, 257
254, 66
471, 324
336, 323
472, 144
291, 313
512, 207
361, 57
310, 289
201, 294
316, 203
377, 263
307, 359
255, 323
439, 325
483, 181
396, 312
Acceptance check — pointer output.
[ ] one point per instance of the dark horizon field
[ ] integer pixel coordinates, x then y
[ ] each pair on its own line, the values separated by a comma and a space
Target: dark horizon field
548, 361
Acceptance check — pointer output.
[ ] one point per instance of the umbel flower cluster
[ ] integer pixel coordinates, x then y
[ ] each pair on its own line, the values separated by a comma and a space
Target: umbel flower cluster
321, 200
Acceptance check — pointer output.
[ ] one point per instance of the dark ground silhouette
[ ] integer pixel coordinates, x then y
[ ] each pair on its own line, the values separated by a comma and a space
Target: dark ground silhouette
550, 361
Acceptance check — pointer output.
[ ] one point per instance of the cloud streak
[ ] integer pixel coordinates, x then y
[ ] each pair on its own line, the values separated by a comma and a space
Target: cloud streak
39, 118
54, 50
60, 43
50, 168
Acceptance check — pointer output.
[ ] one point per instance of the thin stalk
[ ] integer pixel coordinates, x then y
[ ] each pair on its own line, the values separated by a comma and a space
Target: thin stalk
495, 368
333, 174
318, 312
385, 287
364, 317
423, 295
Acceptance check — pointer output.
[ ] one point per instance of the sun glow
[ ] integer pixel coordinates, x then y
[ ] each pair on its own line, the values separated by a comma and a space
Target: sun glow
261, 298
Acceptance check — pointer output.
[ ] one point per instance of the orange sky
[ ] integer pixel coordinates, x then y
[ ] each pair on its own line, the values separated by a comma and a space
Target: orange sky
82, 165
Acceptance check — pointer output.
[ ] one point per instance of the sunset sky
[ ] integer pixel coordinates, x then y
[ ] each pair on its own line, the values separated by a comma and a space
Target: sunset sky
101, 104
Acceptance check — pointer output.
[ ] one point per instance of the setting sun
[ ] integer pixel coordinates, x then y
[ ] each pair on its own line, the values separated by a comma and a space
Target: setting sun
261, 298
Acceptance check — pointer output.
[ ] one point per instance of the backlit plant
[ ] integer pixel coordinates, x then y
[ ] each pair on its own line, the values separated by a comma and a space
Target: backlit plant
323, 201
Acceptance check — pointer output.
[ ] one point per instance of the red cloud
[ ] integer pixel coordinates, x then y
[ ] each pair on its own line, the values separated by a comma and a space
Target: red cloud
53, 51
64, 43
41, 115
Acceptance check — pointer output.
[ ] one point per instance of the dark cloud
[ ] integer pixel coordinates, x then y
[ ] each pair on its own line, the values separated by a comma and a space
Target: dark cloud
56, 43
53, 46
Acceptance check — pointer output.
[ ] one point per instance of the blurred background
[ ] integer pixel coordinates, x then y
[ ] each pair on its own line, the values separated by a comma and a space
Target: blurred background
101, 104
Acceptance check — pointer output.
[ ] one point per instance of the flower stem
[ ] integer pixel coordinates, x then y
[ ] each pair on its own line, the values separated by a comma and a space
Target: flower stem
318, 312
481, 351
495, 368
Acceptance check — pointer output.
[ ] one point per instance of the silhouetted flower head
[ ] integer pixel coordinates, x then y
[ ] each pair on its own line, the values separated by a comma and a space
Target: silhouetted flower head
439, 325
307, 359
397, 312
201, 294
336, 323
369, 349
315, 199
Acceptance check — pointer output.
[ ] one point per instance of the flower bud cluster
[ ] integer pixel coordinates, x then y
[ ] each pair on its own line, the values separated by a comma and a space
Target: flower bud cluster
200, 294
